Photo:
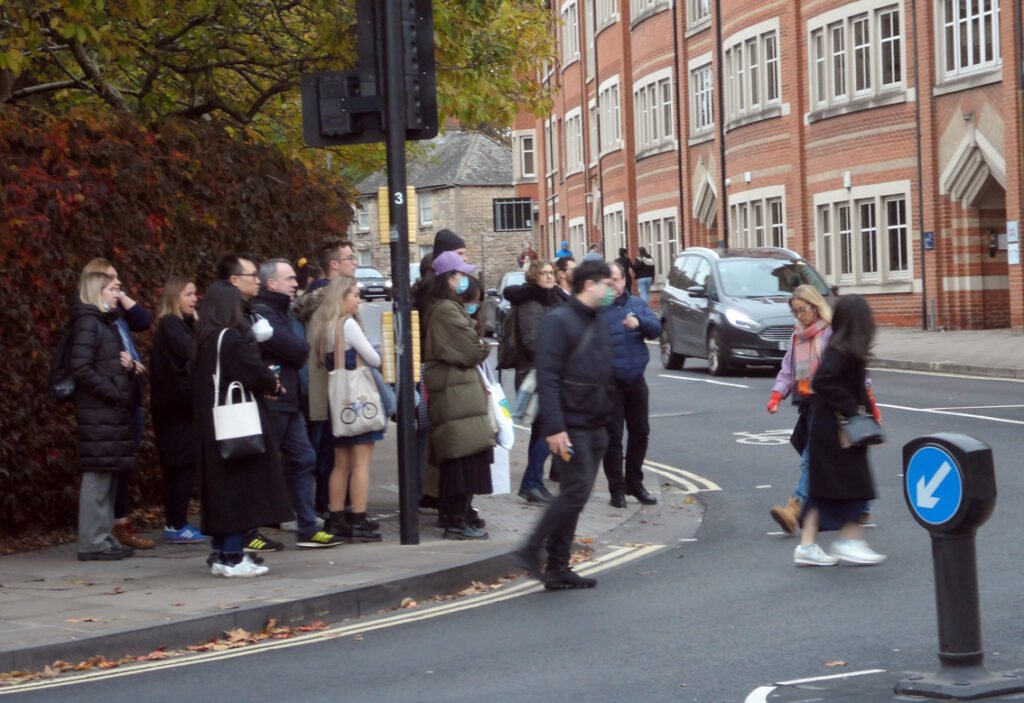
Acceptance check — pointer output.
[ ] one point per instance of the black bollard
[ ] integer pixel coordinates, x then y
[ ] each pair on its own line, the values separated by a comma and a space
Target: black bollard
950, 487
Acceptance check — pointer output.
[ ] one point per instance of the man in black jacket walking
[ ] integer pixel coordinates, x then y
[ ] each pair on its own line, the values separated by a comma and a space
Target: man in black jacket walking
287, 353
574, 375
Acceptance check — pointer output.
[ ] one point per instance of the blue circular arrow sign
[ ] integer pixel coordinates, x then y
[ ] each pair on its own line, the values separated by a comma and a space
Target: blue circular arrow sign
934, 485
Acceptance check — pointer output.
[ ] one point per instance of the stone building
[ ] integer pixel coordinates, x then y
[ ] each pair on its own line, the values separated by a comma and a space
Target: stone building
881, 139
463, 182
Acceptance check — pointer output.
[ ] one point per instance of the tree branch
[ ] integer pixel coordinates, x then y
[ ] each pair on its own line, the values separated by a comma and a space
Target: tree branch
45, 88
107, 92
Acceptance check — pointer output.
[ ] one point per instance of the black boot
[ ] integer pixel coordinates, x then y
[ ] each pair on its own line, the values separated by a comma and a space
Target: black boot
361, 530
337, 524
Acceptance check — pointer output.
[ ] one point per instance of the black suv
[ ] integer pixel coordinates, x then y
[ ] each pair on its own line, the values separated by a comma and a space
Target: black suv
732, 306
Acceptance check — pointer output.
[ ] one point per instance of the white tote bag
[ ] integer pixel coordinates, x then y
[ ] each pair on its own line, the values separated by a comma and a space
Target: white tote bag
505, 432
236, 425
353, 398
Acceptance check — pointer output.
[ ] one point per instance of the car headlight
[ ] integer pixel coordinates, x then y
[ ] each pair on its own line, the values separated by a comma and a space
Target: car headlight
740, 319
387, 283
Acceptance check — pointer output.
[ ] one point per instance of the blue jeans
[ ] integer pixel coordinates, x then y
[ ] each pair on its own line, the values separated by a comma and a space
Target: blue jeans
533, 477
322, 440
299, 463
227, 544
644, 284
803, 484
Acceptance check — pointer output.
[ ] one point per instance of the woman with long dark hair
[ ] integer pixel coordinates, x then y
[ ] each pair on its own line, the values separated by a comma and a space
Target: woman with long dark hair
840, 478
461, 433
171, 406
242, 493
643, 267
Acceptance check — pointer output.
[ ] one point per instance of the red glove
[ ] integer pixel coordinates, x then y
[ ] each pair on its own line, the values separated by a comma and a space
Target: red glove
874, 407
773, 402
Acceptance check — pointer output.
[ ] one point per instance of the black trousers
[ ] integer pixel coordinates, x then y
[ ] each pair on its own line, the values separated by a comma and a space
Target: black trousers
558, 524
630, 408
178, 482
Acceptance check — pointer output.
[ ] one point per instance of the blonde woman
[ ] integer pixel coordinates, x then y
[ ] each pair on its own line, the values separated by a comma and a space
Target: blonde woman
171, 406
103, 372
339, 312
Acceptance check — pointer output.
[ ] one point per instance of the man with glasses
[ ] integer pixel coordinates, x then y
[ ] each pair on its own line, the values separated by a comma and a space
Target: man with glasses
337, 257
288, 352
574, 370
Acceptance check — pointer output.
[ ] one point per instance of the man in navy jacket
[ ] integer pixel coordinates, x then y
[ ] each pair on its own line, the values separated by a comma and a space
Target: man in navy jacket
629, 323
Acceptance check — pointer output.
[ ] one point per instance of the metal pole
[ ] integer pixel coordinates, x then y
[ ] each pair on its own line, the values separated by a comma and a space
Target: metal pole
394, 118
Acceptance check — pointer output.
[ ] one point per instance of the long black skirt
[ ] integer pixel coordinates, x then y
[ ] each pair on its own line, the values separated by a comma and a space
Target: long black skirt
466, 475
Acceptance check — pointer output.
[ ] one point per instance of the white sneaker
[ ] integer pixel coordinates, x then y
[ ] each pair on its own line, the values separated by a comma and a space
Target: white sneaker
812, 555
856, 552
293, 525
246, 568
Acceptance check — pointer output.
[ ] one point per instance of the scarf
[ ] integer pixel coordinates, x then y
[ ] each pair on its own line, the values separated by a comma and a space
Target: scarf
807, 351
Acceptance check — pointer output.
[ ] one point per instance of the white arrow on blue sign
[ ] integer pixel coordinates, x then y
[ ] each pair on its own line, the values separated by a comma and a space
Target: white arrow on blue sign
934, 485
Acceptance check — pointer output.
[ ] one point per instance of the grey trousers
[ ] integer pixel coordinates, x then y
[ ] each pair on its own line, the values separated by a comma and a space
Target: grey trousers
96, 511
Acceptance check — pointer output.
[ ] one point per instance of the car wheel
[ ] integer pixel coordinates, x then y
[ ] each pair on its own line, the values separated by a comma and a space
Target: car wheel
718, 355
669, 359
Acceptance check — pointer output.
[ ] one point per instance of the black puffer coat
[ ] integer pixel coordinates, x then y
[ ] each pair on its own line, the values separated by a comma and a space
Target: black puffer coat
103, 392
531, 303
170, 392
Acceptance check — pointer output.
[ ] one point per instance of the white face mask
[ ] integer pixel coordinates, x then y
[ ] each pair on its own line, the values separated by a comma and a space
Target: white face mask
262, 330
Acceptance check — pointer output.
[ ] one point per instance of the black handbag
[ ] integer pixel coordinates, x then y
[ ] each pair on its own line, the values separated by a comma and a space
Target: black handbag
859, 430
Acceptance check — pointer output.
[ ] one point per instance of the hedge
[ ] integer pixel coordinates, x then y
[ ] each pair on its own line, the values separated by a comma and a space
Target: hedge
154, 201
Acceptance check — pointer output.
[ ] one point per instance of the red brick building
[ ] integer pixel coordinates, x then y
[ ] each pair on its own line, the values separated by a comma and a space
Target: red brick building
882, 139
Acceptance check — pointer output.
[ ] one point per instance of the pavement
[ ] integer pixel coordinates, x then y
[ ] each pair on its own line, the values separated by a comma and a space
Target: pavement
53, 607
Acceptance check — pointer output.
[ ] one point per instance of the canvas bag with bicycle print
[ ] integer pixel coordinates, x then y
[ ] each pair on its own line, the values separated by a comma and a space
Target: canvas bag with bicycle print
236, 426
352, 395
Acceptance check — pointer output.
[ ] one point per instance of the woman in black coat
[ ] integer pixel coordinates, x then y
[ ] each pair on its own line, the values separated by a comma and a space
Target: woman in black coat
243, 493
105, 444
171, 406
840, 479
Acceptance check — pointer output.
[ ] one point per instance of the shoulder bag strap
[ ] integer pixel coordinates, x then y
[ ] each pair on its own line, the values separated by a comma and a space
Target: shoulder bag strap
339, 345
216, 373
585, 339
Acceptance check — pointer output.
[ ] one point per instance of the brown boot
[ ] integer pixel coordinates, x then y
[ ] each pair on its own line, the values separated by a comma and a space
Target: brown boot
125, 534
787, 516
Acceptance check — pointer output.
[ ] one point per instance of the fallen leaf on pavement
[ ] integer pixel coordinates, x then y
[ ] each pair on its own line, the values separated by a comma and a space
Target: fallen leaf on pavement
408, 603
85, 619
116, 591
835, 663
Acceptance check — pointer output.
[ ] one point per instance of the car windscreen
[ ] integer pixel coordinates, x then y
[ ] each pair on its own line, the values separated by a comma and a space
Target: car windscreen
368, 273
513, 278
765, 278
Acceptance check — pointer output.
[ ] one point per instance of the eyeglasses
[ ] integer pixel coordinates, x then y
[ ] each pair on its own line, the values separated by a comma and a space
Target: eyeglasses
547, 273
801, 311
346, 258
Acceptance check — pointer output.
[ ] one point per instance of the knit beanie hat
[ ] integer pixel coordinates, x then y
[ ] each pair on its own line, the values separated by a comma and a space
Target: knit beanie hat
446, 240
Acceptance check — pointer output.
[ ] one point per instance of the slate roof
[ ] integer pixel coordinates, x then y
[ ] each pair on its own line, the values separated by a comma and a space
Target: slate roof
456, 158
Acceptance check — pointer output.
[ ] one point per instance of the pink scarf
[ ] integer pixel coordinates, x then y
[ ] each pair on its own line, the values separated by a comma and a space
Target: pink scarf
807, 355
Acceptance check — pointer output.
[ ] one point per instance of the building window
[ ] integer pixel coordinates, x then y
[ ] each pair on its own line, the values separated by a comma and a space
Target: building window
702, 83
592, 129
366, 257
588, 38
652, 103
607, 12
758, 218
657, 233
573, 141
698, 12
527, 153
551, 157
751, 74
858, 57
614, 230
512, 214
863, 236
570, 32
970, 36
362, 217
577, 237
639, 8
608, 103
426, 207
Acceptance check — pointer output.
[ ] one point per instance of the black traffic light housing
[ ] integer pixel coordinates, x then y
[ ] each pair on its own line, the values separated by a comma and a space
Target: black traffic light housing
347, 107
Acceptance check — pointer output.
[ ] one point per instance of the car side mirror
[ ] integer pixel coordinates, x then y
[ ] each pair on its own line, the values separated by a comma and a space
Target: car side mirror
493, 292
697, 292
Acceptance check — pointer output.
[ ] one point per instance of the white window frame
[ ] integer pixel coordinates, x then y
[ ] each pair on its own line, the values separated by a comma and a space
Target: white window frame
425, 205
570, 15
613, 229
525, 148
577, 237
866, 226
594, 135
757, 217
366, 257
702, 96
653, 113
589, 31
698, 14
573, 141
641, 9
607, 13
951, 27
752, 73
552, 156
609, 105
362, 217
851, 65
658, 232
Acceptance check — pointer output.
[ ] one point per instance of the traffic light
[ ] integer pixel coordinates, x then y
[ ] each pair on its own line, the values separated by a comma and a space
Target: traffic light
347, 107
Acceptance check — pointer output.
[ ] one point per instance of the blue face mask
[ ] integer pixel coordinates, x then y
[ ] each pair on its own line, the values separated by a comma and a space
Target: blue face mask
472, 308
462, 286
